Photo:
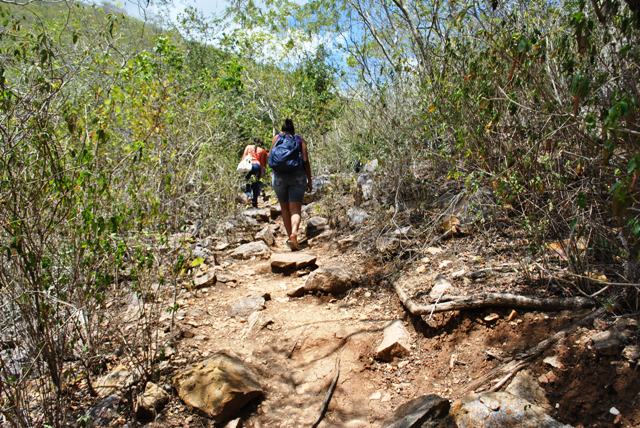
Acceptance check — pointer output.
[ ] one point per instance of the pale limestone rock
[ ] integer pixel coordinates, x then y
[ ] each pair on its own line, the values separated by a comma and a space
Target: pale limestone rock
251, 249
396, 342
219, 386
151, 402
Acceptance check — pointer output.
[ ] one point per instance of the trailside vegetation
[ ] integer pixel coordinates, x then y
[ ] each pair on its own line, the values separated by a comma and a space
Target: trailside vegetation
115, 134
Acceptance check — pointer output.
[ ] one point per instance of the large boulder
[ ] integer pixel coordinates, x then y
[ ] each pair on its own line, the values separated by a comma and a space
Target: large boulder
500, 410
427, 411
251, 249
396, 342
330, 280
219, 386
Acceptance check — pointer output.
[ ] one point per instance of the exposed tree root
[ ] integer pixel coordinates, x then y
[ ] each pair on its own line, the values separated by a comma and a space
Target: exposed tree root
488, 300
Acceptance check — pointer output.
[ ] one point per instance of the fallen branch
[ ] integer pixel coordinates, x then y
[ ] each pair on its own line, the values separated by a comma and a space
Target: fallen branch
490, 300
327, 397
516, 363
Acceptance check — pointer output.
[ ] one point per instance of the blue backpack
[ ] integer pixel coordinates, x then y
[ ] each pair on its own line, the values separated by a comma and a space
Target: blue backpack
286, 154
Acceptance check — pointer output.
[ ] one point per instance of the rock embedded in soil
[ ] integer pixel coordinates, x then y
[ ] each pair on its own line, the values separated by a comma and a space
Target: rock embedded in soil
524, 385
316, 225
286, 262
607, 342
246, 306
266, 235
258, 214
426, 411
274, 211
251, 249
499, 410
219, 386
357, 216
151, 402
396, 342
440, 287
330, 280
105, 411
204, 279
116, 380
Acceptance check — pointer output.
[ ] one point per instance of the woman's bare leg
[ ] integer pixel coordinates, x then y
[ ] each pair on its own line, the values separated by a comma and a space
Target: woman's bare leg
294, 209
286, 216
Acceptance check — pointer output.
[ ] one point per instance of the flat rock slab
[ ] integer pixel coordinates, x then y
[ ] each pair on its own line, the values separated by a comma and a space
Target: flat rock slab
219, 386
286, 262
499, 410
396, 342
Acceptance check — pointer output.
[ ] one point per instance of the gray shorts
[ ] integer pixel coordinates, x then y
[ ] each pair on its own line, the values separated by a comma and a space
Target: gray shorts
289, 187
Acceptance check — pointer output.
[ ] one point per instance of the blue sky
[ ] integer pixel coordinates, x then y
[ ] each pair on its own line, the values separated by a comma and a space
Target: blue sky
207, 7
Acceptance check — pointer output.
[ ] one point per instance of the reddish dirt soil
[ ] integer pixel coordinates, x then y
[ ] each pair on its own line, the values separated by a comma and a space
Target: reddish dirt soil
295, 343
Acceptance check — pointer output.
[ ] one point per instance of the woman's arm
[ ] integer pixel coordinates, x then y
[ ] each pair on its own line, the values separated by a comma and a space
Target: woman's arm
307, 164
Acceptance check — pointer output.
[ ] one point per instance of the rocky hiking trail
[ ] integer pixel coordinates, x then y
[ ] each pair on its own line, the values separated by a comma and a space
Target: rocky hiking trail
323, 337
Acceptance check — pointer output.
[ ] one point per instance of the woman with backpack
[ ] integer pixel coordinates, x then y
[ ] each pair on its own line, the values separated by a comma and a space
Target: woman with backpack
289, 160
258, 157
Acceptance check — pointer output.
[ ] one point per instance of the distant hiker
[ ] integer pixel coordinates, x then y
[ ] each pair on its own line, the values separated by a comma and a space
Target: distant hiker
289, 160
258, 156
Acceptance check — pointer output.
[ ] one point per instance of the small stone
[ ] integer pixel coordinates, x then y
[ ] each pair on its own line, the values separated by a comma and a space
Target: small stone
548, 377
395, 342
119, 378
258, 214
512, 315
266, 235
367, 294
434, 250
421, 269
440, 287
151, 402
491, 317
375, 396
458, 273
357, 216
631, 353
553, 361
614, 411
204, 279
444, 264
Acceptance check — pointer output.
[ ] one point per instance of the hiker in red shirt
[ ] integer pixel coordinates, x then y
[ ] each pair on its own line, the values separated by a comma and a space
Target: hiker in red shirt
258, 157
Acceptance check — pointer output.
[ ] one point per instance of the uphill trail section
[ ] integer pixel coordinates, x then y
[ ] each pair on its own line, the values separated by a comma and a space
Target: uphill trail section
328, 321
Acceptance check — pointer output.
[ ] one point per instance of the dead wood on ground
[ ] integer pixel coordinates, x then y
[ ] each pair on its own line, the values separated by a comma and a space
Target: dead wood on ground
491, 300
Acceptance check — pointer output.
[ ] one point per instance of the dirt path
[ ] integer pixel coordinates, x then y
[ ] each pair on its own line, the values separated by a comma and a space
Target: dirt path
294, 344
